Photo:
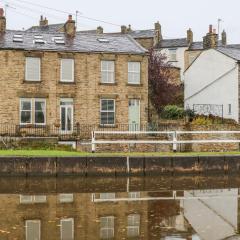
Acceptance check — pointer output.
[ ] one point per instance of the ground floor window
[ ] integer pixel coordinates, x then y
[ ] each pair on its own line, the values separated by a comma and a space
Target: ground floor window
107, 227
133, 225
107, 112
32, 111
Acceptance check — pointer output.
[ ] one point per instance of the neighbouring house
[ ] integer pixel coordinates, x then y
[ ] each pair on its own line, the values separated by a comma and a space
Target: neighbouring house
211, 82
57, 76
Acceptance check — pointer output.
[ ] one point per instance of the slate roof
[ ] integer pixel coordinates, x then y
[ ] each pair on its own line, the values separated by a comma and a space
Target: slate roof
169, 43
196, 46
230, 52
149, 33
49, 28
82, 42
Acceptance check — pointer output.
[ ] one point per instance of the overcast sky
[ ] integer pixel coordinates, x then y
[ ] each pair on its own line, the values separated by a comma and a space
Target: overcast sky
175, 16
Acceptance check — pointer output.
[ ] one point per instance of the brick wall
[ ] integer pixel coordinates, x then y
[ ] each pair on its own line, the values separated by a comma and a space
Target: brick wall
86, 91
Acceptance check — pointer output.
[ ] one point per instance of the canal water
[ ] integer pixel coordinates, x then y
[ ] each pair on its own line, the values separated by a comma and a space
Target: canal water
163, 208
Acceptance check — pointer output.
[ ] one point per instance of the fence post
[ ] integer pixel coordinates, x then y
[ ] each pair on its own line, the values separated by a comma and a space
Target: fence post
93, 142
175, 141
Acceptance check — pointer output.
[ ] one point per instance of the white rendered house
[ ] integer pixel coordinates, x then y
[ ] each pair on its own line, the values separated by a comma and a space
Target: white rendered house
212, 83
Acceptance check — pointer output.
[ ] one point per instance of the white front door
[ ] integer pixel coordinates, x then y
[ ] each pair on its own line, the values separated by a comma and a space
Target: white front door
66, 115
134, 114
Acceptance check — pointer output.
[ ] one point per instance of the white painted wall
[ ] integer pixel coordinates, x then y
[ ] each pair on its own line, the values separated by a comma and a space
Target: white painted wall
207, 68
180, 63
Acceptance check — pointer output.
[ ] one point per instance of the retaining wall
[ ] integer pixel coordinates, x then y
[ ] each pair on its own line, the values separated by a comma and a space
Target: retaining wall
118, 166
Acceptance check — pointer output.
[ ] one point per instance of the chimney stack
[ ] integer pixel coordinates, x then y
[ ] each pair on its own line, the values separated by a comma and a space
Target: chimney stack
129, 29
189, 36
43, 22
211, 39
158, 33
99, 30
70, 27
123, 29
224, 38
2, 21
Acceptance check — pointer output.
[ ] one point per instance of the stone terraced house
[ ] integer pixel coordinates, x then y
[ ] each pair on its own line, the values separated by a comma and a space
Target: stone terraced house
53, 75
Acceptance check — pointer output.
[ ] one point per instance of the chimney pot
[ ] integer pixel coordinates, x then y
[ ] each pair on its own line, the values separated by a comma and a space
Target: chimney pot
210, 28
224, 38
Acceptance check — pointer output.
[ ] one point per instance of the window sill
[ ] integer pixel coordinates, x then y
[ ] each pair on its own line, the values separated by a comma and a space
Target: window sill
107, 126
62, 82
32, 82
108, 84
32, 126
134, 85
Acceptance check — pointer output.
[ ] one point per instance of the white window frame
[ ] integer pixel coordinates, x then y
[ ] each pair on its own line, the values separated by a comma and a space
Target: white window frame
26, 69
134, 195
107, 71
20, 110
171, 59
134, 226
33, 111
107, 196
134, 72
66, 220
102, 111
69, 197
33, 199
34, 221
73, 67
111, 228
45, 112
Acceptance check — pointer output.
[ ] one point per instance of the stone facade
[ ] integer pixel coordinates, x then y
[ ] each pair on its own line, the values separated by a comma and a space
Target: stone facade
86, 91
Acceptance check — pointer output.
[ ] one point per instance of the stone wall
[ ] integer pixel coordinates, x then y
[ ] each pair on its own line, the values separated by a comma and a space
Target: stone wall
86, 91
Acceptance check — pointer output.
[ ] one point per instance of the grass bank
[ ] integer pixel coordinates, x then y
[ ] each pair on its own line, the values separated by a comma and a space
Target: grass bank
56, 153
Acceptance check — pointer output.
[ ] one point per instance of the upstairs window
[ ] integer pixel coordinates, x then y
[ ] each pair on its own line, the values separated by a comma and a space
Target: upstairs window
33, 229
67, 70
134, 75
67, 229
133, 225
107, 112
107, 227
33, 69
172, 54
107, 71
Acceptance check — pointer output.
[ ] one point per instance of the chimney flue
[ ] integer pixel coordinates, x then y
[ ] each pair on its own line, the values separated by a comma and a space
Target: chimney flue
123, 29
224, 38
211, 39
189, 36
99, 30
43, 21
2, 21
210, 28
158, 33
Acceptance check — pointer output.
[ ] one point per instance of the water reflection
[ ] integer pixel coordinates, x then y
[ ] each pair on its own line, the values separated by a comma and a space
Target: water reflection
133, 209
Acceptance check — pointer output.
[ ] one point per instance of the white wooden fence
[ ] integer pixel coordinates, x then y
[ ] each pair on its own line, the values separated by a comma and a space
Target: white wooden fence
173, 135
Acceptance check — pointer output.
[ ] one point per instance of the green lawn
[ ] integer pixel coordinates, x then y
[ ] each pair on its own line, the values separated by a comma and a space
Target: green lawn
56, 153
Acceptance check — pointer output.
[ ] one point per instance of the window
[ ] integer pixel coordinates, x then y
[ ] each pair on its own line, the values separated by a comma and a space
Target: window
67, 229
107, 112
133, 225
107, 227
33, 229
66, 198
32, 111
134, 195
229, 109
32, 71
172, 55
28, 199
67, 70
108, 71
106, 196
134, 75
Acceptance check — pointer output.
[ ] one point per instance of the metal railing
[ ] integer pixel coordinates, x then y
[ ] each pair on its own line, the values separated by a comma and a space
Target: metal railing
173, 135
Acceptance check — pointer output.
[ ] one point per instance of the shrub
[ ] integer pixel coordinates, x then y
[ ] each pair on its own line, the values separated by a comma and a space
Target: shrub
172, 112
202, 120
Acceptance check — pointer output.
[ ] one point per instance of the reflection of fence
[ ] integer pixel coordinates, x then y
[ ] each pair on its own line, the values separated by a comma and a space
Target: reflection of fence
208, 109
175, 137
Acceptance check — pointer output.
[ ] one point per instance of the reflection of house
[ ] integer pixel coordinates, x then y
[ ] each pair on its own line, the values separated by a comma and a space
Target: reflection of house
214, 215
